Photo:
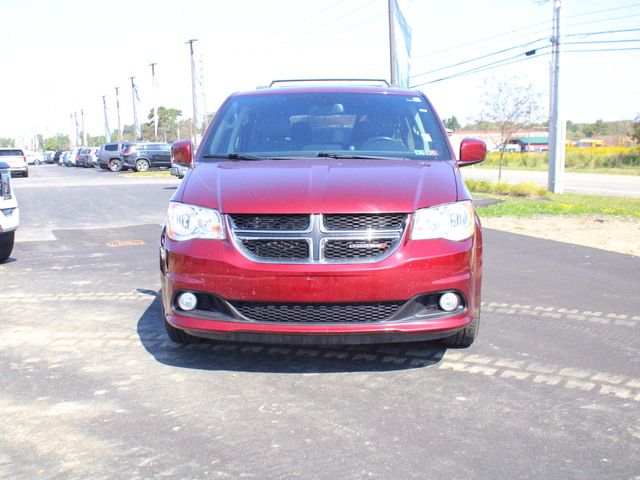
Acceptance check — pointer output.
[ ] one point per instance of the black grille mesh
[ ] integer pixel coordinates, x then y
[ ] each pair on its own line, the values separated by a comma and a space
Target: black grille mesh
318, 312
270, 222
384, 221
350, 249
287, 249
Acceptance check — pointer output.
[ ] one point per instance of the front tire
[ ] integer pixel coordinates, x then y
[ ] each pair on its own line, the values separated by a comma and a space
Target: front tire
6, 244
176, 335
115, 165
142, 165
465, 337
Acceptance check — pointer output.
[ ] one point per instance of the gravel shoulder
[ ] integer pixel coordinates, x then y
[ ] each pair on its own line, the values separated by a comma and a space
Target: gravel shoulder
613, 234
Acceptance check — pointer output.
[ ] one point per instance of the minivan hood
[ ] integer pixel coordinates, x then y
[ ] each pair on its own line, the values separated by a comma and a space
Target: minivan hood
318, 185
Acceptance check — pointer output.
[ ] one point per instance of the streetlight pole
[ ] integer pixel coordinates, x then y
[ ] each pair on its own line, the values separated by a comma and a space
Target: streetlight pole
107, 133
155, 104
557, 133
75, 118
119, 123
135, 112
194, 127
392, 44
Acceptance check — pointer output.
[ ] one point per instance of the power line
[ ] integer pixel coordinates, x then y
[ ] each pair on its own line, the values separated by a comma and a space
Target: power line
603, 41
346, 30
530, 43
624, 49
314, 15
516, 59
489, 66
478, 58
509, 32
342, 16
603, 11
603, 20
588, 34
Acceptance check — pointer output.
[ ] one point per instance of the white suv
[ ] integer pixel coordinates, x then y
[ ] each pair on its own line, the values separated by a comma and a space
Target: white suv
16, 159
9, 213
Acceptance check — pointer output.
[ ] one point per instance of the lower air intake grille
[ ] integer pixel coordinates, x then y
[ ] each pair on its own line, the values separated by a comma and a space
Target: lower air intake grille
318, 313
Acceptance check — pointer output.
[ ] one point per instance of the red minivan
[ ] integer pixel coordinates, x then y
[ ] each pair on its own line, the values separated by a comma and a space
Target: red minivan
323, 214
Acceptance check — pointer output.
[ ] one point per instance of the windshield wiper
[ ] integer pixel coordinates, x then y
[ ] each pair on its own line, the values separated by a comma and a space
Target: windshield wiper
340, 156
234, 156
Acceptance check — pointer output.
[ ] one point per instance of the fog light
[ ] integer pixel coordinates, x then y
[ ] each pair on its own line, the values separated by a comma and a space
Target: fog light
187, 301
449, 301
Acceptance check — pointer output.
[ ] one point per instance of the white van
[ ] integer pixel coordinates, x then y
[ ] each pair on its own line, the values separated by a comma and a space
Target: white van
9, 213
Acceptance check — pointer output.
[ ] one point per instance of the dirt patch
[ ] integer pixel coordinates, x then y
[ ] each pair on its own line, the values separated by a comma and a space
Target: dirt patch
607, 233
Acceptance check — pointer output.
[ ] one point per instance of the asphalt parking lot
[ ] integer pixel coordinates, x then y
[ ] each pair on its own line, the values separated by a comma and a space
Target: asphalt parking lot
91, 387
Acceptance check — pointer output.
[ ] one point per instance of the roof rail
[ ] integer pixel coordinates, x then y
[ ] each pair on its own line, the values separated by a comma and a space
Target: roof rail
341, 80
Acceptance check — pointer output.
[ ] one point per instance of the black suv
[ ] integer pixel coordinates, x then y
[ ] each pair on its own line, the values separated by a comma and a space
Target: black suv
142, 156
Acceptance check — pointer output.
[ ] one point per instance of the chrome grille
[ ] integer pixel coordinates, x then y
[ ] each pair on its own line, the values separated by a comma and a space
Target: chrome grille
317, 238
363, 222
264, 248
346, 249
270, 222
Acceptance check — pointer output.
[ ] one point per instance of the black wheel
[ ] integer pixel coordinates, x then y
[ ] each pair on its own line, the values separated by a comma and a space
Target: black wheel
6, 244
115, 165
36, 162
142, 165
176, 335
465, 337
26, 173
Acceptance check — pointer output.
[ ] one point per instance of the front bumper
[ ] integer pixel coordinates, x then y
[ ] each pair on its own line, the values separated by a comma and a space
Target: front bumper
418, 269
22, 170
9, 218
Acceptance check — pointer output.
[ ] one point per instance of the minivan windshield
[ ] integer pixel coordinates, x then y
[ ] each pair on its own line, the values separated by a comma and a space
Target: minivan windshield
328, 124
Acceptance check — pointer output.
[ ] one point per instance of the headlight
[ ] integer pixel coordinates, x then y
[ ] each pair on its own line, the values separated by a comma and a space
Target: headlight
185, 222
453, 221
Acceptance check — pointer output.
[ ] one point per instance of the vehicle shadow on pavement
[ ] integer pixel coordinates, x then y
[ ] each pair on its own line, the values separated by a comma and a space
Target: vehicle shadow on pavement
269, 358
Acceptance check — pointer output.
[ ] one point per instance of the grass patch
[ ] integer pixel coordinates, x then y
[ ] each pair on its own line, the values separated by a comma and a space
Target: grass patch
527, 200
150, 173
507, 189
616, 160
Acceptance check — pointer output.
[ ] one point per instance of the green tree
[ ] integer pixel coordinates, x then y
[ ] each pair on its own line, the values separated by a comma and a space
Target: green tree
7, 142
167, 123
511, 105
95, 141
452, 123
59, 142
635, 130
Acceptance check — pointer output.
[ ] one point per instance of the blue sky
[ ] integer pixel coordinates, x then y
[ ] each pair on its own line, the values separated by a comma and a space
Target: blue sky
63, 56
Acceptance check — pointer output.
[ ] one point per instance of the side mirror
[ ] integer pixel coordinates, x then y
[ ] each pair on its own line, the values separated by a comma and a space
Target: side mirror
182, 152
472, 151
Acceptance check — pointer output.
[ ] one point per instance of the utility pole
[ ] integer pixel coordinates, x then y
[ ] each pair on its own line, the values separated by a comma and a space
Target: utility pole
84, 132
136, 127
155, 103
107, 133
72, 138
119, 123
75, 118
194, 127
392, 44
202, 92
557, 126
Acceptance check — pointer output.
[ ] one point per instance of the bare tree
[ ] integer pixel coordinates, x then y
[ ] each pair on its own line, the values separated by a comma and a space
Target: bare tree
510, 105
